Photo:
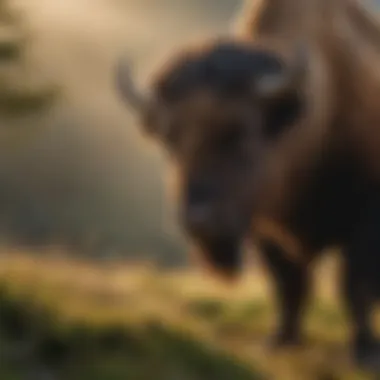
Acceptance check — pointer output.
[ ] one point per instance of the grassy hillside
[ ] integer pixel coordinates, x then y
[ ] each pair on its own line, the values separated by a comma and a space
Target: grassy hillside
76, 320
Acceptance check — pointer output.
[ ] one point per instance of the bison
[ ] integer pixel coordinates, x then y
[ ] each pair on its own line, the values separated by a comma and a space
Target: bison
275, 134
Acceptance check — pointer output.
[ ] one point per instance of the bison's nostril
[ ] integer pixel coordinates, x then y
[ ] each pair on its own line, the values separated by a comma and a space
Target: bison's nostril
198, 206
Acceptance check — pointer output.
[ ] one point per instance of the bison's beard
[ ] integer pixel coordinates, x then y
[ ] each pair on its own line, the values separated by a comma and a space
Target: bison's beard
222, 256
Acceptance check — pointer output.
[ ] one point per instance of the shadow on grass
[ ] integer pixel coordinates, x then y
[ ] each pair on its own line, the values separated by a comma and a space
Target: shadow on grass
36, 344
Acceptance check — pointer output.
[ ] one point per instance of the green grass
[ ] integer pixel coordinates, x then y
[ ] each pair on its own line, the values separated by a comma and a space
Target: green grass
76, 320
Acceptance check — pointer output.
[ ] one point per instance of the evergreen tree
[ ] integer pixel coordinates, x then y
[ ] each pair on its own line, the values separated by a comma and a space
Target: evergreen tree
20, 90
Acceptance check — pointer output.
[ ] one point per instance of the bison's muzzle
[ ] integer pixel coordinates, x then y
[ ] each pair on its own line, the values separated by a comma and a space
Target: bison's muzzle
218, 238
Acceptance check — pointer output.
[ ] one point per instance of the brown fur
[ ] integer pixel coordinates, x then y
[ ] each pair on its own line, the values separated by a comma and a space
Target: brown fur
299, 166
340, 88
343, 88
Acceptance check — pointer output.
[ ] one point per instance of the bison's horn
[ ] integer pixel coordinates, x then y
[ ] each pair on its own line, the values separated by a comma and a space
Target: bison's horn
155, 120
134, 96
273, 85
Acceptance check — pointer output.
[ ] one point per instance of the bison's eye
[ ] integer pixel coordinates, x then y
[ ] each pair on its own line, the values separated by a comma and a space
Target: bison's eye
281, 114
172, 135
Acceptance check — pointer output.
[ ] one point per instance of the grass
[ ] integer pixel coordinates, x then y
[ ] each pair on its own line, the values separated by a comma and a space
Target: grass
61, 319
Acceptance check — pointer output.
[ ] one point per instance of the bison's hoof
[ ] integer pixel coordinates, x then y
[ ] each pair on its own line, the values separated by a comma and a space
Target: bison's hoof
283, 340
367, 356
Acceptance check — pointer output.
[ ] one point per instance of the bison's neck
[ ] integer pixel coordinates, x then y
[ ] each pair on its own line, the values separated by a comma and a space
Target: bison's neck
331, 201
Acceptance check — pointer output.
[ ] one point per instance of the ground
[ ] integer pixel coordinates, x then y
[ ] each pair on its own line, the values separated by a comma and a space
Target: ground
65, 319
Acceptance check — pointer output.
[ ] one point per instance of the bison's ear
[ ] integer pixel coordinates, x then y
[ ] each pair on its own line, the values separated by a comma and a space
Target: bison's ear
152, 116
282, 113
280, 92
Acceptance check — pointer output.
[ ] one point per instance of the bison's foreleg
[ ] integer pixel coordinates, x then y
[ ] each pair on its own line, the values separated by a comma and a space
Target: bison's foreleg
291, 283
361, 285
359, 302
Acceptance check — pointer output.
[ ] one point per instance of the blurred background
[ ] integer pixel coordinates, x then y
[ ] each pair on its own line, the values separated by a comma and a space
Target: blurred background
75, 171
81, 191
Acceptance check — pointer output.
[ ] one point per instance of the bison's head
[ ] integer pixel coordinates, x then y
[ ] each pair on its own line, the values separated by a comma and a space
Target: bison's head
217, 110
